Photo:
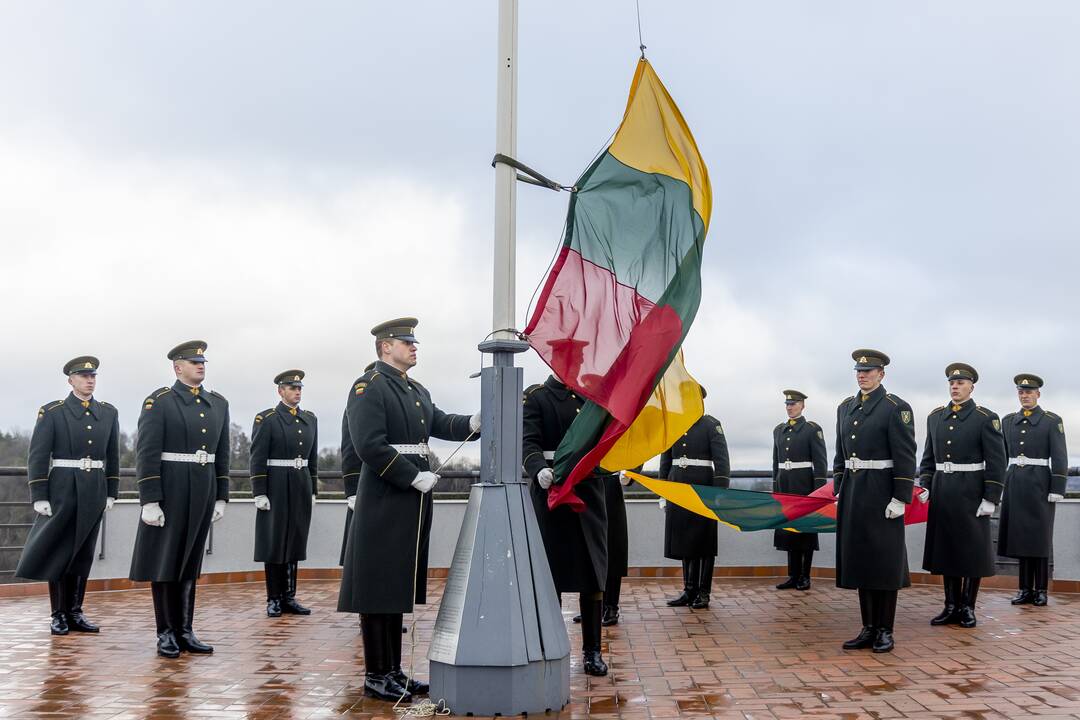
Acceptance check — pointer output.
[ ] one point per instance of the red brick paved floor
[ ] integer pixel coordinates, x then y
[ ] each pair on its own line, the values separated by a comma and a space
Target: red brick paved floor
757, 653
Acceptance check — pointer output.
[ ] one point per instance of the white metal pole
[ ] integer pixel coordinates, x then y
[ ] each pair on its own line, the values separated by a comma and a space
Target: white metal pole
505, 176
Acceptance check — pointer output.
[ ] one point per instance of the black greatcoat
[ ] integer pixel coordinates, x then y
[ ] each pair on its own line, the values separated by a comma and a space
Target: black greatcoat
1027, 518
576, 542
618, 543
688, 535
958, 543
350, 475
870, 550
63, 544
798, 441
281, 533
386, 558
176, 420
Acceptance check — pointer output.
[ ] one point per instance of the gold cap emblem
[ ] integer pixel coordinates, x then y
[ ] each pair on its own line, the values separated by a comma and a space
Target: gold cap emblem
89, 366
862, 358
956, 371
200, 351
295, 377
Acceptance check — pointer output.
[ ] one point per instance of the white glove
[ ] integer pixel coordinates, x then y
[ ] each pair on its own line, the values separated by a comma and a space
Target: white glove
351, 502
545, 477
986, 508
425, 480
43, 507
219, 510
894, 509
109, 501
924, 495
314, 498
624, 479
662, 503
1054, 497
262, 502
152, 514
474, 423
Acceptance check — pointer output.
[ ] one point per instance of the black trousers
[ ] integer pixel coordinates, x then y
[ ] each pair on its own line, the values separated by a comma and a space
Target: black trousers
799, 563
1034, 574
878, 608
381, 633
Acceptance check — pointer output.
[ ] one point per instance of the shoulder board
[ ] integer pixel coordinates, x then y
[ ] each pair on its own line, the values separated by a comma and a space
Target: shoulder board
937, 409
780, 426
161, 391
813, 424
1006, 416
102, 402
58, 403
847, 399
1049, 414
263, 415
268, 413
215, 393
308, 412
892, 399
709, 418
984, 411
533, 388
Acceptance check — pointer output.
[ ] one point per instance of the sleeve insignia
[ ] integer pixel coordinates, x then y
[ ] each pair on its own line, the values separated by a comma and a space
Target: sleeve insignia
1061, 428
820, 435
905, 416
719, 429
997, 424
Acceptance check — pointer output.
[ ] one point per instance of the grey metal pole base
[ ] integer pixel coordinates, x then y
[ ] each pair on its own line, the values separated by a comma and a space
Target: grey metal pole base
500, 645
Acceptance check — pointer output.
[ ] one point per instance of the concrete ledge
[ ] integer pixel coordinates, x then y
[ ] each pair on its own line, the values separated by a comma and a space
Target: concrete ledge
998, 582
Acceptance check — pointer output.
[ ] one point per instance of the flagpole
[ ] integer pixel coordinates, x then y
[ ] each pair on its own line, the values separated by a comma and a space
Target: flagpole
500, 645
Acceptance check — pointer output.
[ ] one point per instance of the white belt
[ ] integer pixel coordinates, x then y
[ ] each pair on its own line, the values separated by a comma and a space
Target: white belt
549, 454
294, 463
418, 449
81, 464
201, 457
1022, 461
951, 467
688, 462
788, 465
856, 464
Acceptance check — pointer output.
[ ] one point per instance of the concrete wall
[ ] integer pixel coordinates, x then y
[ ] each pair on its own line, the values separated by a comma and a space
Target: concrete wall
233, 539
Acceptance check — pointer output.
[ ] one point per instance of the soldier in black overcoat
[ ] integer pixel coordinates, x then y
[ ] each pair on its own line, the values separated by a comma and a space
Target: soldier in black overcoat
576, 543
699, 457
963, 469
799, 464
390, 417
284, 482
182, 464
351, 465
873, 475
1035, 481
74, 473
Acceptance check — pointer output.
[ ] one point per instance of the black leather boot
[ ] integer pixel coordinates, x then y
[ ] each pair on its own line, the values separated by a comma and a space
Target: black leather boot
271, 571
167, 646
1026, 581
610, 614
592, 661
75, 587
689, 579
885, 615
289, 604
394, 628
378, 682
806, 561
794, 566
951, 613
865, 638
968, 594
1041, 575
185, 636
704, 584
58, 623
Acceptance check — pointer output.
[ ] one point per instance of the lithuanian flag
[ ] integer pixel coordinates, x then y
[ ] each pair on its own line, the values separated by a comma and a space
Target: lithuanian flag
756, 510
625, 288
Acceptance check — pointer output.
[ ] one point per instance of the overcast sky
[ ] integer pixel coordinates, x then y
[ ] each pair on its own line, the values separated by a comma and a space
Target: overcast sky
278, 178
